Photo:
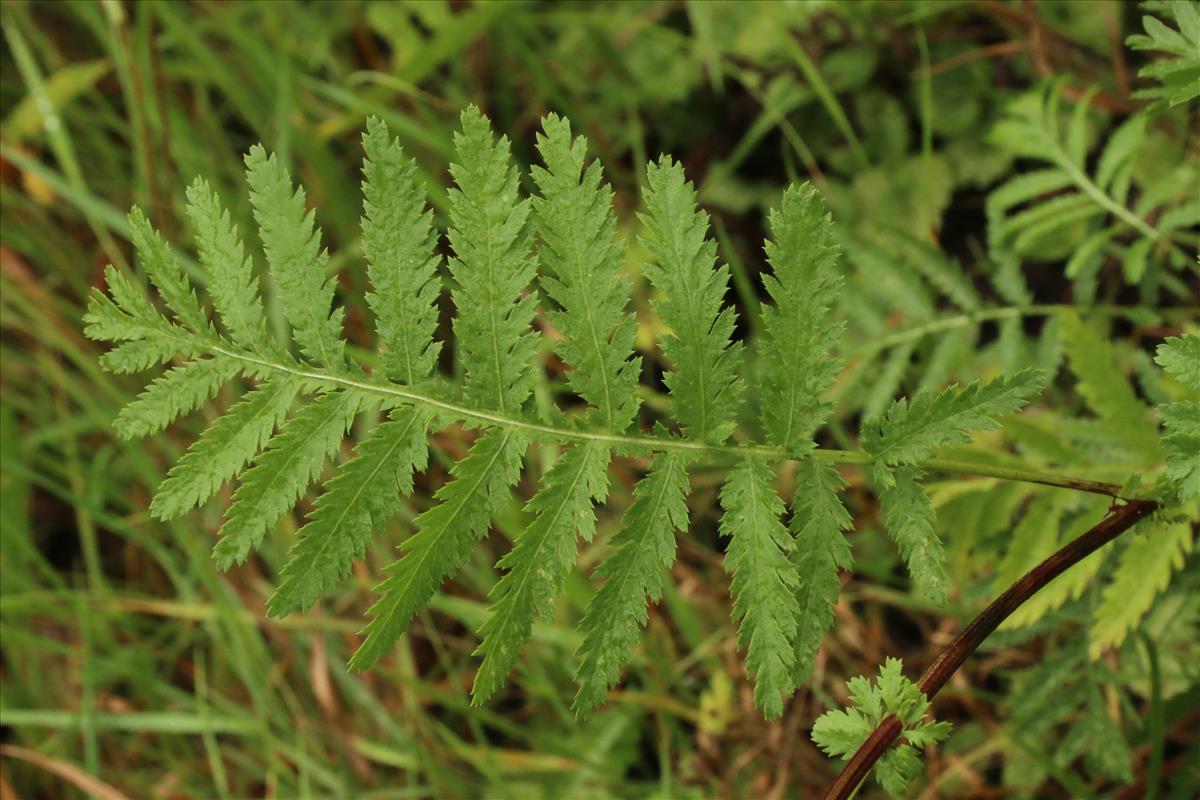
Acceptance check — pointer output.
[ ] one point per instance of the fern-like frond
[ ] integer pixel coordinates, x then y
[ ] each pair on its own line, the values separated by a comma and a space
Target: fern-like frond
1180, 75
1049, 691
784, 581
127, 316
799, 330
143, 336
182, 390
818, 522
1144, 569
284, 470
909, 517
138, 355
764, 580
1181, 423
358, 500
576, 229
941, 273
493, 267
840, 733
1096, 737
645, 549
399, 243
299, 267
1065, 210
1108, 393
911, 431
229, 272
223, 449
705, 388
540, 558
705, 393
1180, 358
166, 273
462, 513
942, 319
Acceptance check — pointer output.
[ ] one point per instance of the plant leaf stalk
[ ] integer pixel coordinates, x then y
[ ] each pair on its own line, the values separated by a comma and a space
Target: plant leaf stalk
647, 443
1119, 520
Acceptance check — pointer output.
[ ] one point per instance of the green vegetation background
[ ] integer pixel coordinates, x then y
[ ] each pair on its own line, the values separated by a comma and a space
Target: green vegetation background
131, 665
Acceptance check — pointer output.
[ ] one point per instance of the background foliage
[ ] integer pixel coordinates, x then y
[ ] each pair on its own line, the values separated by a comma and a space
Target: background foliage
1010, 192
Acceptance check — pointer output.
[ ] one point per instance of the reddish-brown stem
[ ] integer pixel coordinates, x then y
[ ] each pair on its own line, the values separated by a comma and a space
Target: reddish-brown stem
935, 677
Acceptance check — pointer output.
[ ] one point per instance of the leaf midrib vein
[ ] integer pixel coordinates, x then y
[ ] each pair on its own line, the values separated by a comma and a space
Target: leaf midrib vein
662, 444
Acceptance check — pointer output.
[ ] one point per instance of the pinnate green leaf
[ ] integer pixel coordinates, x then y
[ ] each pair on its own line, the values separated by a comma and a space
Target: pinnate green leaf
298, 265
540, 559
493, 266
462, 514
705, 389
909, 517
909, 432
399, 243
764, 581
166, 273
799, 330
818, 522
1179, 75
229, 271
645, 550
185, 388
223, 449
576, 229
284, 470
1105, 389
1144, 570
358, 500
840, 733
1180, 357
